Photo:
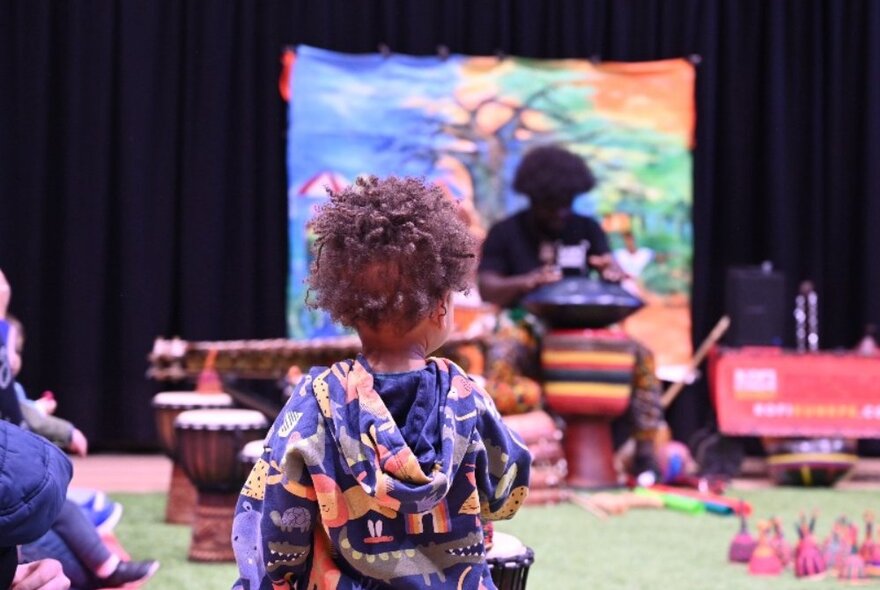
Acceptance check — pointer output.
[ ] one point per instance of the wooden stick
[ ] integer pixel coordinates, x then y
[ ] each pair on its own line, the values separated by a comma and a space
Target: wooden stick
714, 336
587, 505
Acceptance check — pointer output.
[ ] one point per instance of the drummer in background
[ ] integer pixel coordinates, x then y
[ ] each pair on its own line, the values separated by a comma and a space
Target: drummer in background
545, 242
538, 245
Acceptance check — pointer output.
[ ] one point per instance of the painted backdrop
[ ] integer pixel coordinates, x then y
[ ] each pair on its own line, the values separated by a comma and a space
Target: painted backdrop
466, 121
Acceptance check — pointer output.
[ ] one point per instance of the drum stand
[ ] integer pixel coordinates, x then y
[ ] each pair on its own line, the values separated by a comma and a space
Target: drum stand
179, 508
589, 451
212, 527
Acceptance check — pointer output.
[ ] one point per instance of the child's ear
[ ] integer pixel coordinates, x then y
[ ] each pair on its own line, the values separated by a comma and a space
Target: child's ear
441, 308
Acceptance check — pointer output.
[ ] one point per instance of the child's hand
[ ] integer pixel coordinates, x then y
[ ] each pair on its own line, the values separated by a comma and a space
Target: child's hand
44, 574
79, 444
5, 294
47, 403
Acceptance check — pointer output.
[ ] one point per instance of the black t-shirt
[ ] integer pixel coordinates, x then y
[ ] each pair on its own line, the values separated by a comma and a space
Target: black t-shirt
512, 247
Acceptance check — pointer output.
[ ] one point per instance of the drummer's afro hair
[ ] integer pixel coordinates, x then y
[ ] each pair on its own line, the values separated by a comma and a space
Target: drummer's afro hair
552, 174
387, 252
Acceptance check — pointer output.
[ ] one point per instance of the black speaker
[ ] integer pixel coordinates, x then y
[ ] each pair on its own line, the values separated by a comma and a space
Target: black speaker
755, 302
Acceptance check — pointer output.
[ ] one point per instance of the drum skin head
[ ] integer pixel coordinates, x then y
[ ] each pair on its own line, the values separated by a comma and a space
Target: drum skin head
191, 399
220, 419
505, 546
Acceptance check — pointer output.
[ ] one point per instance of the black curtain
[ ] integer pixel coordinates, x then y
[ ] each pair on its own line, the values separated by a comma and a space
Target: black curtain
142, 181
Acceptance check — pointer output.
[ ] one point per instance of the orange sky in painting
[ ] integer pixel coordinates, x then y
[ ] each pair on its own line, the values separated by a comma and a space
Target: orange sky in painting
645, 93
638, 90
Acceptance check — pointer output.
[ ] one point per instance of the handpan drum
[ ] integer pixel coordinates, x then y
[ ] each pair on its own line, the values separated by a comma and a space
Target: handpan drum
581, 302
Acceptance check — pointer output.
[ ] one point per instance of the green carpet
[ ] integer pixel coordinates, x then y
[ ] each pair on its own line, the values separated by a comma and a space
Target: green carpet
643, 549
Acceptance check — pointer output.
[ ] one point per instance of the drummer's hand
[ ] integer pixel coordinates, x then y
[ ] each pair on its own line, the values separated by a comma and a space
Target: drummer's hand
608, 269
541, 276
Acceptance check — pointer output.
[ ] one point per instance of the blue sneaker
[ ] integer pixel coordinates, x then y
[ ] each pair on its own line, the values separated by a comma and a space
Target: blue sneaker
106, 519
88, 499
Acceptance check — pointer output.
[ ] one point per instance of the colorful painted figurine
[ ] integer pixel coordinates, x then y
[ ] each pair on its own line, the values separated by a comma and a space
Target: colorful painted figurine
783, 549
809, 563
852, 568
764, 561
870, 551
743, 544
836, 547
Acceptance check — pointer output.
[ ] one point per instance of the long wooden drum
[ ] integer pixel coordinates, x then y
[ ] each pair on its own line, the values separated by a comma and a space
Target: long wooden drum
168, 405
208, 446
588, 379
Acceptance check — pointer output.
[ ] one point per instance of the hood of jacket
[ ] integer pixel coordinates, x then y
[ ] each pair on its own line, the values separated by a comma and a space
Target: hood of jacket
411, 467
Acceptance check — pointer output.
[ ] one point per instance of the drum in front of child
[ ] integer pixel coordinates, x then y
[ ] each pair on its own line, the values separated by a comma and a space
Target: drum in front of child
168, 405
208, 445
509, 561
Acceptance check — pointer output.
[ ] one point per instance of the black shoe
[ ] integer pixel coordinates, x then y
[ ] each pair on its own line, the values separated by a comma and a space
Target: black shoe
130, 571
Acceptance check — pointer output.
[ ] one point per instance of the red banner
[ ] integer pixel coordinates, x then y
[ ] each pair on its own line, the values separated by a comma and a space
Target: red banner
770, 392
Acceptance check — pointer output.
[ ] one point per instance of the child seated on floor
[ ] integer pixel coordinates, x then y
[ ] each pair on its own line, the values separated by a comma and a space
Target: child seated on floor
378, 470
75, 537
37, 417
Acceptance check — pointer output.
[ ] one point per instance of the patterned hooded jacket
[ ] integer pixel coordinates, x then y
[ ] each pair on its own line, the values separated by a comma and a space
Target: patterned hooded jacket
378, 481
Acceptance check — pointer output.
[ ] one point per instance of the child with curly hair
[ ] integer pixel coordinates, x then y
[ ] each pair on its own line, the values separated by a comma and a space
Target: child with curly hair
379, 469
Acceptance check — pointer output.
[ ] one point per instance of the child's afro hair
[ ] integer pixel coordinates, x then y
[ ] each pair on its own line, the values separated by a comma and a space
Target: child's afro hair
387, 252
552, 174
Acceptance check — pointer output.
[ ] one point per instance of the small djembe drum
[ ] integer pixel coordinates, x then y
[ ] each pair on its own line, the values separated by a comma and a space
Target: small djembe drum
208, 446
588, 380
167, 405
543, 437
509, 561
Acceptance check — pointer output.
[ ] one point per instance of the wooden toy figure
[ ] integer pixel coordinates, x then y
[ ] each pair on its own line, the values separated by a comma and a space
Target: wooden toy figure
870, 551
743, 544
783, 549
764, 561
835, 548
852, 569
809, 563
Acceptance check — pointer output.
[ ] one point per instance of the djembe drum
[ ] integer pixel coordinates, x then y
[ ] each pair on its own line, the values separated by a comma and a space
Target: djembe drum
509, 561
167, 405
208, 445
588, 380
